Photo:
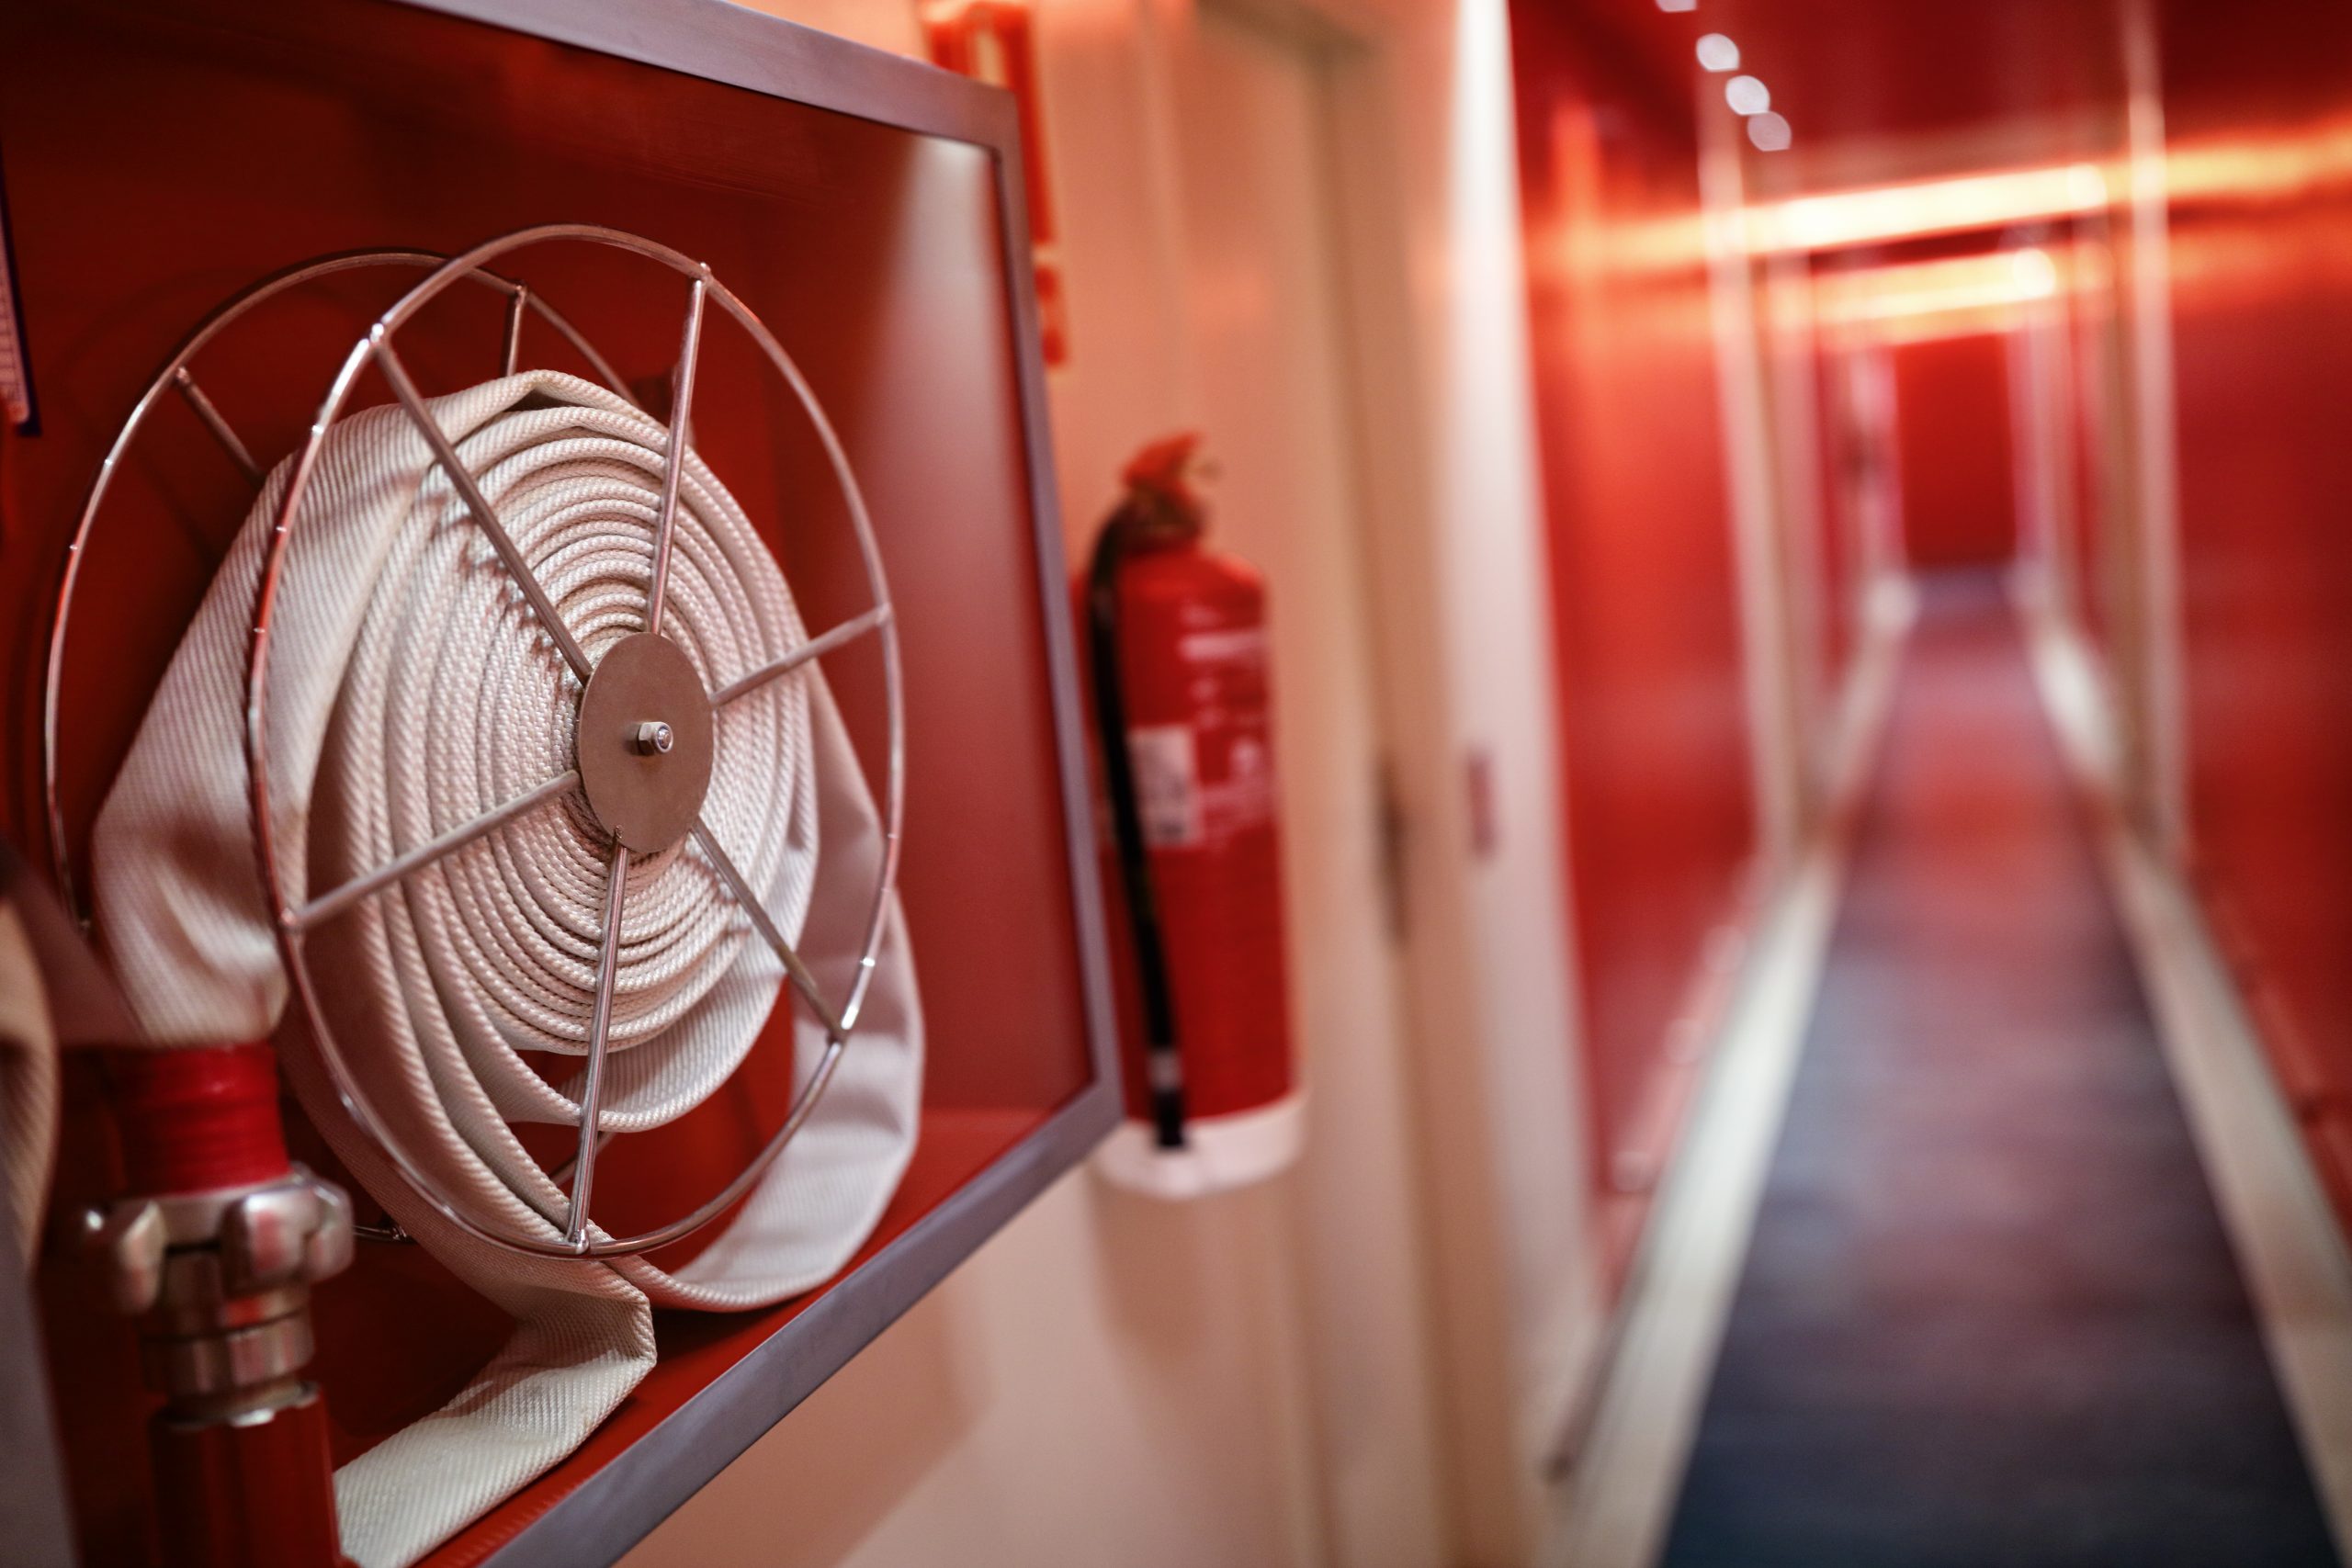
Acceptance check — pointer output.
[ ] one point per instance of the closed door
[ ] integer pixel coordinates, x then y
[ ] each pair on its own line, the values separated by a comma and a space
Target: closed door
1272, 357
1951, 400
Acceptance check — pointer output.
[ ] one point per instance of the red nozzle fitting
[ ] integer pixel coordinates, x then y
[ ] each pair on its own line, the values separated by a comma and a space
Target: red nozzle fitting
1162, 498
197, 1118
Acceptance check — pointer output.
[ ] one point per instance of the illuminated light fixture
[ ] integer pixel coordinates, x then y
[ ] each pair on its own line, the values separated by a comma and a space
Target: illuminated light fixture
1747, 94
1769, 133
1717, 52
2267, 165
1874, 213
2037, 274
1937, 297
1677, 4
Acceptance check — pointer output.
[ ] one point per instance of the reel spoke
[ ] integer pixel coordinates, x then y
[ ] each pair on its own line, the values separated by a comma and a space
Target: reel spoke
185, 384
802, 980
484, 515
328, 905
600, 1025
810, 1093
561, 1172
817, 647
673, 465
517, 305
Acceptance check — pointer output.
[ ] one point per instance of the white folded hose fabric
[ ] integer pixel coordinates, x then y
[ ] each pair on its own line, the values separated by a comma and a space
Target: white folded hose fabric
28, 1093
412, 690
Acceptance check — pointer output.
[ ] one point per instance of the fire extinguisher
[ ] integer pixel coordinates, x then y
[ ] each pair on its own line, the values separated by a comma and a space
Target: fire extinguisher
1177, 657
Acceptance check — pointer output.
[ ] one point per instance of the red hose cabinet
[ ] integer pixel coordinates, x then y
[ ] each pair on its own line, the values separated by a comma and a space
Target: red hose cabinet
870, 210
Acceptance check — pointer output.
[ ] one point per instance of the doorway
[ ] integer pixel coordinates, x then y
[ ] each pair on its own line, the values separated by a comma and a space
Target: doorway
1273, 358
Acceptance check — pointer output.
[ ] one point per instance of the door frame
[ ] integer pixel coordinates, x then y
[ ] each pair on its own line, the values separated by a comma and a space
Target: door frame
1505, 1239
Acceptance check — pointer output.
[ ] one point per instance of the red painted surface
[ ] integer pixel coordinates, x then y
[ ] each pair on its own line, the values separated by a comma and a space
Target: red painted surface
157, 161
1858, 466
2090, 426
1841, 449
249, 1494
2255, 102
1959, 486
1192, 643
197, 1119
1653, 722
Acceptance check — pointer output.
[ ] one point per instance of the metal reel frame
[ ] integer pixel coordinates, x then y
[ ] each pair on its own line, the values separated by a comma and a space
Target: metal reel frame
178, 375
292, 922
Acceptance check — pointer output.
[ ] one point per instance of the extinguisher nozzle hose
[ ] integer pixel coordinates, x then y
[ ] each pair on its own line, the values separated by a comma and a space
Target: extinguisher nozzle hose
1167, 1072
1162, 1063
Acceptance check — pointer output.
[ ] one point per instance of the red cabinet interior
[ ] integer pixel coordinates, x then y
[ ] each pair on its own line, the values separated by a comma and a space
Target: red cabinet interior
157, 160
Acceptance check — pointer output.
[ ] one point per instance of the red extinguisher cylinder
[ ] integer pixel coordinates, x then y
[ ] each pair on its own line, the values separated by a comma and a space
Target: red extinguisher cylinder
1176, 637
1192, 656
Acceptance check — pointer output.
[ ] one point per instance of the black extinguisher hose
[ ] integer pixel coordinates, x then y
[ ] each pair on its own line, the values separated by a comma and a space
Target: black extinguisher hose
1161, 1059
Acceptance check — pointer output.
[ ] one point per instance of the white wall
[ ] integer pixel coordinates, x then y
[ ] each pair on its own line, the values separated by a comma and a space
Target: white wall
1114, 1381
1503, 1120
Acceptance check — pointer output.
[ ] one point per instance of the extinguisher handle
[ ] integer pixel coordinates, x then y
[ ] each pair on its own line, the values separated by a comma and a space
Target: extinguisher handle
1163, 1063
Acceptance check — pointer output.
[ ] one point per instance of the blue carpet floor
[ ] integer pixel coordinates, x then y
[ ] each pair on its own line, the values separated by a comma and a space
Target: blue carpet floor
1989, 1317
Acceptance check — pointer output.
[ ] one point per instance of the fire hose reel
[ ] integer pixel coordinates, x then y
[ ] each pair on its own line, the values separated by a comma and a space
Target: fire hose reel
510, 708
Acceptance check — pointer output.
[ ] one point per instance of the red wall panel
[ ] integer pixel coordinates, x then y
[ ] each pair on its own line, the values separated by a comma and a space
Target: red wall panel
2092, 417
1837, 451
1654, 729
2256, 101
1952, 400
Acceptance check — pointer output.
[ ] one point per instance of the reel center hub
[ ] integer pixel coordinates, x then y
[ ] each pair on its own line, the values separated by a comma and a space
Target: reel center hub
644, 744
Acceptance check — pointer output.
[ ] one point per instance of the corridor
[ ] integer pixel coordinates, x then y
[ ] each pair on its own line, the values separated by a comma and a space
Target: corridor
1989, 1313
1175, 783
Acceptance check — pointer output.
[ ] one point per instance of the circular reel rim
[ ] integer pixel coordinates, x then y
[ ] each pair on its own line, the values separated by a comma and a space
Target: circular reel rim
290, 935
217, 320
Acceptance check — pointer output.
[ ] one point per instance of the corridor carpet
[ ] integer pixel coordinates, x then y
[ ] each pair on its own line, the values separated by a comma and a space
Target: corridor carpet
1989, 1317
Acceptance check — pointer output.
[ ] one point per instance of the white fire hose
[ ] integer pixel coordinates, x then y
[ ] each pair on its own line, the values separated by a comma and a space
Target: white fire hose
413, 690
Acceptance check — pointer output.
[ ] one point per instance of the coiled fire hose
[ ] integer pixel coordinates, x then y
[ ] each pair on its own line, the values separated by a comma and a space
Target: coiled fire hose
413, 690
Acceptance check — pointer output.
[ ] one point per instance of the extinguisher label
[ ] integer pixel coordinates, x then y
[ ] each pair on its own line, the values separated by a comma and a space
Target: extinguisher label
1244, 798
1167, 784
